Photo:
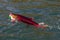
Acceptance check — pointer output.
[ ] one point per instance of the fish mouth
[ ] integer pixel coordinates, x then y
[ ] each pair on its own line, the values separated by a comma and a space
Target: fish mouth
9, 16
12, 16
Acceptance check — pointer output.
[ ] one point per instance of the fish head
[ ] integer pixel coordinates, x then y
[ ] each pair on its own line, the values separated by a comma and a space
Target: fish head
12, 16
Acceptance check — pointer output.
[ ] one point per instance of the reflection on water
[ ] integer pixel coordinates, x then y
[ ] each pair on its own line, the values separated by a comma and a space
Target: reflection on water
47, 11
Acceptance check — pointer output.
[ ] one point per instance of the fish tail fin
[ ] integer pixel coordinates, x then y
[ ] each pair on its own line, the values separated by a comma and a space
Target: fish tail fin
42, 25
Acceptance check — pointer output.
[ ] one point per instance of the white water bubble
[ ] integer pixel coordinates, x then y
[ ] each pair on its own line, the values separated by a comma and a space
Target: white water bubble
58, 27
50, 27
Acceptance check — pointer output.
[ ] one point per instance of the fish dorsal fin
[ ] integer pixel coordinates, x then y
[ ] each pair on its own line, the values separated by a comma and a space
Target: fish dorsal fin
32, 18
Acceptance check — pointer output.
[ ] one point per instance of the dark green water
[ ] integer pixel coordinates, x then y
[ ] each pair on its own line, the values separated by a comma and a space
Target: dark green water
47, 11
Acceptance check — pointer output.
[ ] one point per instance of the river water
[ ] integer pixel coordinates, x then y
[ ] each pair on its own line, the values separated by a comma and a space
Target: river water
47, 11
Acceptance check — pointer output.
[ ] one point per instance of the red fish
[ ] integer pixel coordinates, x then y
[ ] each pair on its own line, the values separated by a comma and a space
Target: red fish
24, 19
